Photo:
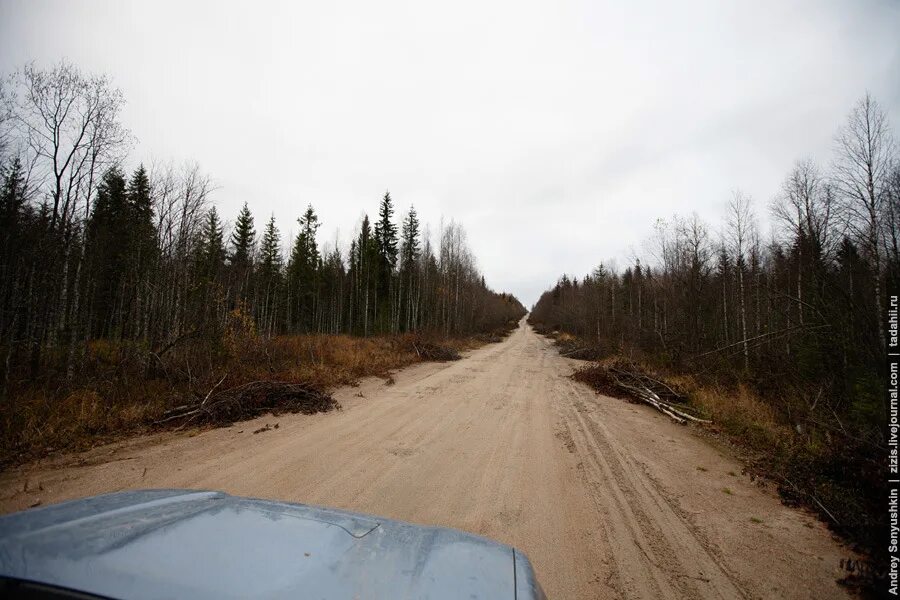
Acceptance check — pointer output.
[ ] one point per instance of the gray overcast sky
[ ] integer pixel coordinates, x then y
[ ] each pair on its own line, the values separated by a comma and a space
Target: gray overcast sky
555, 131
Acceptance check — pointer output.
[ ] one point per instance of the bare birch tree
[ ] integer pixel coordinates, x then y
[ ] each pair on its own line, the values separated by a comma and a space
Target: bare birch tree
865, 158
740, 232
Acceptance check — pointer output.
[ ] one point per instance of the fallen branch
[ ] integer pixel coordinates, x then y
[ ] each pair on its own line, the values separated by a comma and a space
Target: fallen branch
249, 399
435, 352
212, 389
648, 397
756, 338
572, 351
814, 499
640, 387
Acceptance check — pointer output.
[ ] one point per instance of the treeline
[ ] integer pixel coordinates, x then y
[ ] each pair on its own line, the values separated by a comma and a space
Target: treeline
90, 251
804, 307
799, 316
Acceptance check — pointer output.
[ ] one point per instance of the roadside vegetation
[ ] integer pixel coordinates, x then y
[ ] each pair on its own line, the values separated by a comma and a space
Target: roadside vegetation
123, 388
123, 293
779, 338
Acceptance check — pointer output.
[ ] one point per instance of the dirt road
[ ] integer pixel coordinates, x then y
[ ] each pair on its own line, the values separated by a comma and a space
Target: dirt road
609, 500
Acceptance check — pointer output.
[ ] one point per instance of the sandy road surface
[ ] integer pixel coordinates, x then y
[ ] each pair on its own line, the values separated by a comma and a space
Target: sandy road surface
608, 499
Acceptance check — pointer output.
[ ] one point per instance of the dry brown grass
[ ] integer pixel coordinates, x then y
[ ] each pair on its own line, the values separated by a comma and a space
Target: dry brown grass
739, 412
332, 360
736, 411
122, 389
565, 338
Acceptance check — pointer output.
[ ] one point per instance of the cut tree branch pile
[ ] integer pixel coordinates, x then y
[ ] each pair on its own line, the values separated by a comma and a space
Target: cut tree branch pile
625, 379
249, 400
435, 352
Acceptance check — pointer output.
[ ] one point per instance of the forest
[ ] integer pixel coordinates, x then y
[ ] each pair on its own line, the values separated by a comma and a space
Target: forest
125, 294
783, 334
113, 276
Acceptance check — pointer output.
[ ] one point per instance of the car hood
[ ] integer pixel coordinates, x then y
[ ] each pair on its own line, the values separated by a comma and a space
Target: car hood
180, 544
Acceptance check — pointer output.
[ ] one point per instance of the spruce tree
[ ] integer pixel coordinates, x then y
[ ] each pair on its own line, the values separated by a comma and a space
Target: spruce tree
139, 197
386, 233
409, 254
309, 225
243, 239
368, 262
12, 197
108, 245
15, 251
269, 276
302, 270
212, 247
210, 266
386, 244
142, 238
409, 245
240, 259
270, 252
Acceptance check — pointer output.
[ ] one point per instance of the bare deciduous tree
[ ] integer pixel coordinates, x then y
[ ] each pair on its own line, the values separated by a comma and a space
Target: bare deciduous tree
891, 223
69, 123
805, 208
865, 158
67, 130
741, 228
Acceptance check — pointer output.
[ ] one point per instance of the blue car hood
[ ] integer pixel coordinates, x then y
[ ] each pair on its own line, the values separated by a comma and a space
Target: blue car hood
188, 544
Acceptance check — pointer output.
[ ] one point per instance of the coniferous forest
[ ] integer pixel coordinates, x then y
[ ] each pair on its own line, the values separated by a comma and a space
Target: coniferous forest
100, 257
787, 324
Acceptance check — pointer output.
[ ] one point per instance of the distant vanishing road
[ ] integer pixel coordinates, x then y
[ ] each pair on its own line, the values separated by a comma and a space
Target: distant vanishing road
608, 499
